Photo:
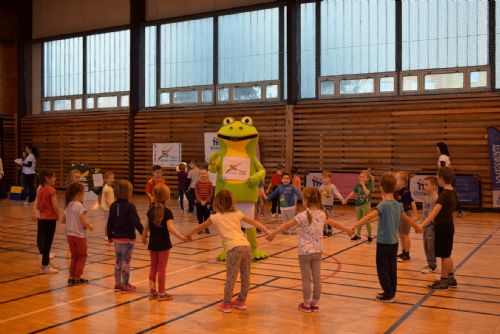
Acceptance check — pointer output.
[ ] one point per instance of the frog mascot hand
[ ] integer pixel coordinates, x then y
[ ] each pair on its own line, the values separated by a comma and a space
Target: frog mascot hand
239, 171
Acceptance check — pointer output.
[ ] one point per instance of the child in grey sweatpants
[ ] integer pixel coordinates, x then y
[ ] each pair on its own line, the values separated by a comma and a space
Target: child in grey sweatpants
430, 188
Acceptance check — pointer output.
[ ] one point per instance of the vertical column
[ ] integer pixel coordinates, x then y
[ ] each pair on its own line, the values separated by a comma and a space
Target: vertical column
492, 42
293, 51
399, 44
136, 97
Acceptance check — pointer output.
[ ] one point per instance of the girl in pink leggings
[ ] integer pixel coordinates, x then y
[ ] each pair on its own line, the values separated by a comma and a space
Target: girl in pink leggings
160, 225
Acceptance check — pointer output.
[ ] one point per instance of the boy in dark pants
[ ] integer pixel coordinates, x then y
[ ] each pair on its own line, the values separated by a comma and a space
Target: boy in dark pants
390, 213
442, 214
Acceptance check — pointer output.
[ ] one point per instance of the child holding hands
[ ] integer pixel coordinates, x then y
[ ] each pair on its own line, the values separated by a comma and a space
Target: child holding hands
227, 220
160, 225
310, 222
390, 213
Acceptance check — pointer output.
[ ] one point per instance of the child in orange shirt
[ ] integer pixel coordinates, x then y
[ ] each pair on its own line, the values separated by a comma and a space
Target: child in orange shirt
154, 181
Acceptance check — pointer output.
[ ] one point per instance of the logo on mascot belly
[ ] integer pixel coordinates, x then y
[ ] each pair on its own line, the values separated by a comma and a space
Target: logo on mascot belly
235, 169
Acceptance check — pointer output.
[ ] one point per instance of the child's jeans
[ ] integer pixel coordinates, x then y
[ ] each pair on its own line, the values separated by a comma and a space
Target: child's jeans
78, 249
159, 261
428, 239
310, 266
123, 252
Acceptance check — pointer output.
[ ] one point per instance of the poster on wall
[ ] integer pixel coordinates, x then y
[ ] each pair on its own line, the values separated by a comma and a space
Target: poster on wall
468, 188
167, 154
211, 144
345, 182
494, 150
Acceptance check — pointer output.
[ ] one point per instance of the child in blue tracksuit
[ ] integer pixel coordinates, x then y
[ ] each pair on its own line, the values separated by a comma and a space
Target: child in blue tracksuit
286, 193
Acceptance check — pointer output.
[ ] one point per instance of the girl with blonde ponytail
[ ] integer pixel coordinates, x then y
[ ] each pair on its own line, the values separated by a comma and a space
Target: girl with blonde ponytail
160, 225
310, 222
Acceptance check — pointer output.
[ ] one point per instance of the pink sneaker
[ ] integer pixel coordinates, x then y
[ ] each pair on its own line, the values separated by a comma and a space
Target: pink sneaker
305, 307
226, 308
238, 304
314, 308
118, 287
128, 288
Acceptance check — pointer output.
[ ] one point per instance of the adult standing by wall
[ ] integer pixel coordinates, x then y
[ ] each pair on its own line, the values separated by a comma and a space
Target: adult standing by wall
445, 161
29, 173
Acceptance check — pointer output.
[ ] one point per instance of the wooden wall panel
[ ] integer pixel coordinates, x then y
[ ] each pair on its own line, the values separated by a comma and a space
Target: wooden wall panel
187, 126
98, 139
8, 78
397, 135
9, 150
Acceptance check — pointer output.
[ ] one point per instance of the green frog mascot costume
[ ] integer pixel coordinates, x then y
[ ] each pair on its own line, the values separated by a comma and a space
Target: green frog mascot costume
239, 171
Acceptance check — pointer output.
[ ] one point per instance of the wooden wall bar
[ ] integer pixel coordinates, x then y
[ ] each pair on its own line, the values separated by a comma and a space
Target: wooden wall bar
99, 140
344, 135
8, 139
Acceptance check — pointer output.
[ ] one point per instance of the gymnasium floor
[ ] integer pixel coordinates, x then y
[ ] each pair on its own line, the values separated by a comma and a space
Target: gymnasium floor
31, 302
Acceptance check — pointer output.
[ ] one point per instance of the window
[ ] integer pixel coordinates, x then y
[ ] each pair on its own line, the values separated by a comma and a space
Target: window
308, 50
443, 34
249, 46
150, 67
497, 45
62, 68
357, 37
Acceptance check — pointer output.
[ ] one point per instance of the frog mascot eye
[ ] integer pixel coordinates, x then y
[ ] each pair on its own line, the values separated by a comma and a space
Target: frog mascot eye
227, 121
247, 120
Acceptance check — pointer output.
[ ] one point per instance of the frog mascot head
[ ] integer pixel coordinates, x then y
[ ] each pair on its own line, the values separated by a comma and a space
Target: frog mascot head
239, 171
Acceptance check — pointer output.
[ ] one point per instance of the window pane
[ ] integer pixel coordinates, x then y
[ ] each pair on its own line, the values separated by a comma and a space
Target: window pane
308, 50
186, 53
78, 104
223, 94
441, 34
46, 105
386, 84
108, 62
63, 67
62, 105
107, 102
186, 97
90, 103
359, 86
327, 87
164, 98
271, 91
444, 81
124, 101
206, 95
357, 36
249, 46
247, 93
150, 67
478, 79
410, 83
497, 43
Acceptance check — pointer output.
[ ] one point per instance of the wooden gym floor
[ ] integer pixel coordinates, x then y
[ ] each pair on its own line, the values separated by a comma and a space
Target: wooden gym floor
30, 302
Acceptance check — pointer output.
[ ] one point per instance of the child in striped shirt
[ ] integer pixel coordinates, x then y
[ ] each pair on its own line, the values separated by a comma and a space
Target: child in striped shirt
203, 191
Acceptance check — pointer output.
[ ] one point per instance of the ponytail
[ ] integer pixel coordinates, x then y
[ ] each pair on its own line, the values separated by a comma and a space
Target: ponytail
159, 213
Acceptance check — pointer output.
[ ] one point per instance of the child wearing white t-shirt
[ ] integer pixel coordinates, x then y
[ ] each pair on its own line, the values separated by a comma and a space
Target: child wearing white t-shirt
75, 218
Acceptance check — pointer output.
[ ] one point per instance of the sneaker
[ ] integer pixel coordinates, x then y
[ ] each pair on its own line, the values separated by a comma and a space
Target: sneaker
127, 288
314, 308
370, 239
72, 282
226, 308
383, 298
305, 307
452, 282
164, 297
404, 258
48, 270
83, 281
324, 234
106, 238
355, 238
118, 287
438, 285
273, 215
461, 214
329, 233
153, 295
400, 255
207, 231
428, 270
238, 304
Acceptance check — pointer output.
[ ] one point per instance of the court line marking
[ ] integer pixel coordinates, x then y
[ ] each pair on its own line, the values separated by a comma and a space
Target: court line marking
431, 292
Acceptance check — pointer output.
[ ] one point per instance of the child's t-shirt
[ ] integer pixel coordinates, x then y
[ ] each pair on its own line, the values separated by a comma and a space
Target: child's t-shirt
44, 202
286, 193
311, 234
389, 220
152, 182
428, 204
275, 179
448, 199
403, 196
229, 226
328, 193
159, 236
74, 225
106, 191
361, 197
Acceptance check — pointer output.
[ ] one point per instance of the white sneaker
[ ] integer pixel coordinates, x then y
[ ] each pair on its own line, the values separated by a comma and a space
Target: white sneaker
428, 270
48, 270
51, 256
106, 238
273, 215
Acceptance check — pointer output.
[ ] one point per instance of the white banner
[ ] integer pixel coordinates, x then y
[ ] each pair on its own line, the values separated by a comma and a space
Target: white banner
211, 144
167, 154
417, 187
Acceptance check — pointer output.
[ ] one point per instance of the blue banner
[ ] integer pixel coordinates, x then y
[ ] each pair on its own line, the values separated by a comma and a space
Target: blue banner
494, 149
